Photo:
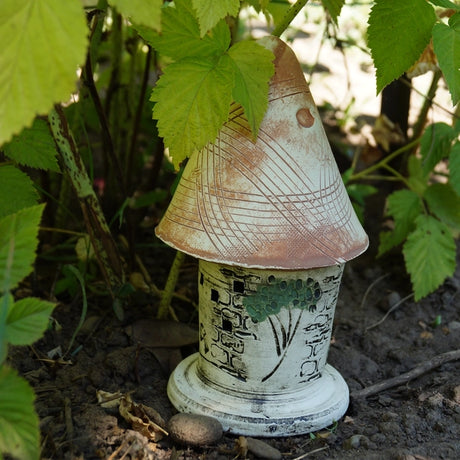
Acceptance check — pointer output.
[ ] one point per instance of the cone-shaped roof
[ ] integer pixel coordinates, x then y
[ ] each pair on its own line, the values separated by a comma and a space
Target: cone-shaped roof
278, 202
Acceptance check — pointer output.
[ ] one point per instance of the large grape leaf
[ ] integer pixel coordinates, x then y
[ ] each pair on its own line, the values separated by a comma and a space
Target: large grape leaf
334, 7
19, 432
210, 12
454, 168
180, 36
435, 144
145, 12
253, 70
446, 44
34, 147
43, 43
27, 320
18, 241
192, 98
16, 190
398, 33
444, 203
429, 253
404, 206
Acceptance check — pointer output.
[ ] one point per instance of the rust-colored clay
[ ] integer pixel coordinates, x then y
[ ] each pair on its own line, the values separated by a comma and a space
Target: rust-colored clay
305, 118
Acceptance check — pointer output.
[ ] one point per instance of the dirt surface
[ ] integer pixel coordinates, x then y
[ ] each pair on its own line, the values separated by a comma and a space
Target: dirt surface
417, 419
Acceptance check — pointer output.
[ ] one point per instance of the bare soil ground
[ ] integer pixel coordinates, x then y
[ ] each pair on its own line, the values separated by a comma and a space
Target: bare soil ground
419, 418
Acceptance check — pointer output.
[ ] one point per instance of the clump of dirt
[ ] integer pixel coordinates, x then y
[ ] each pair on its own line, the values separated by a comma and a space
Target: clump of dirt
379, 333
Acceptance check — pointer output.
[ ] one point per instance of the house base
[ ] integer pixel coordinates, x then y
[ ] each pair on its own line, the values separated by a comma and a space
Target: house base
315, 406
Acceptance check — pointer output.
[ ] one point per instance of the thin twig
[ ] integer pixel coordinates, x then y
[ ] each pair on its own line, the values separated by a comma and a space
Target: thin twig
423, 368
369, 289
311, 453
392, 309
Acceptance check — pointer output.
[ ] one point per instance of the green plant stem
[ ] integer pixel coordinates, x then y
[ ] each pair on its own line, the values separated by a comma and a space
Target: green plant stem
396, 174
138, 117
165, 302
384, 162
105, 248
289, 17
107, 137
427, 103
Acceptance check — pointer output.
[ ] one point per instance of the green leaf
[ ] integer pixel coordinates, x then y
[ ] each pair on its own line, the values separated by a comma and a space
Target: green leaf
253, 69
429, 252
27, 320
43, 43
444, 203
418, 180
334, 7
180, 37
435, 144
446, 44
454, 168
398, 33
192, 102
404, 206
359, 192
445, 4
18, 241
145, 12
19, 432
210, 12
16, 190
34, 147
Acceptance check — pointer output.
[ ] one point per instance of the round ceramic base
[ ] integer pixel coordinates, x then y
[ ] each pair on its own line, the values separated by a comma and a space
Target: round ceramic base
319, 404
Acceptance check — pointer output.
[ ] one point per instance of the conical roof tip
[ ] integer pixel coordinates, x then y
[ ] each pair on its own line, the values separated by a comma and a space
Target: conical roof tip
278, 202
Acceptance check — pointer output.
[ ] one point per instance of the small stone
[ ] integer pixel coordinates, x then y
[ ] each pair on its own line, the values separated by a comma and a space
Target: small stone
261, 449
194, 429
356, 441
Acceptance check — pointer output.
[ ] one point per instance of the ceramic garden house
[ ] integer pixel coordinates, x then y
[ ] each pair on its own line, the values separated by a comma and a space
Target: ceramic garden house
272, 226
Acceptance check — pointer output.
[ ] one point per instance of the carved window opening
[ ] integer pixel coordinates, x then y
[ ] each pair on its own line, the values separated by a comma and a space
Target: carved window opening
214, 295
238, 287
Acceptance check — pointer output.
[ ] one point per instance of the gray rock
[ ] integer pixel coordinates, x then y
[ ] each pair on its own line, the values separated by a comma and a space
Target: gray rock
261, 449
194, 429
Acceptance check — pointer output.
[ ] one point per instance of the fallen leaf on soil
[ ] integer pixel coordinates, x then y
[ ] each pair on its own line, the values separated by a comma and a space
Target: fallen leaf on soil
348, 419
426, 335
158, 333
143, 419
108, 400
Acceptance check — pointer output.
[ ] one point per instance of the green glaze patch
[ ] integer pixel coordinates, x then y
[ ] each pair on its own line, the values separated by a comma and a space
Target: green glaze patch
270, 298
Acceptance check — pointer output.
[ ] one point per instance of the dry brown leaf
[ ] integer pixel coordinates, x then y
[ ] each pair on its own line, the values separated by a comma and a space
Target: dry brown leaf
108, 400
386, 133
241, 445
426, 62
143, 419
426, 335
158, 333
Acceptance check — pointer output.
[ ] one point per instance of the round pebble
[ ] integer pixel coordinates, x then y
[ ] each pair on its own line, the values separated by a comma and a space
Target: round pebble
194, 429
261, 449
